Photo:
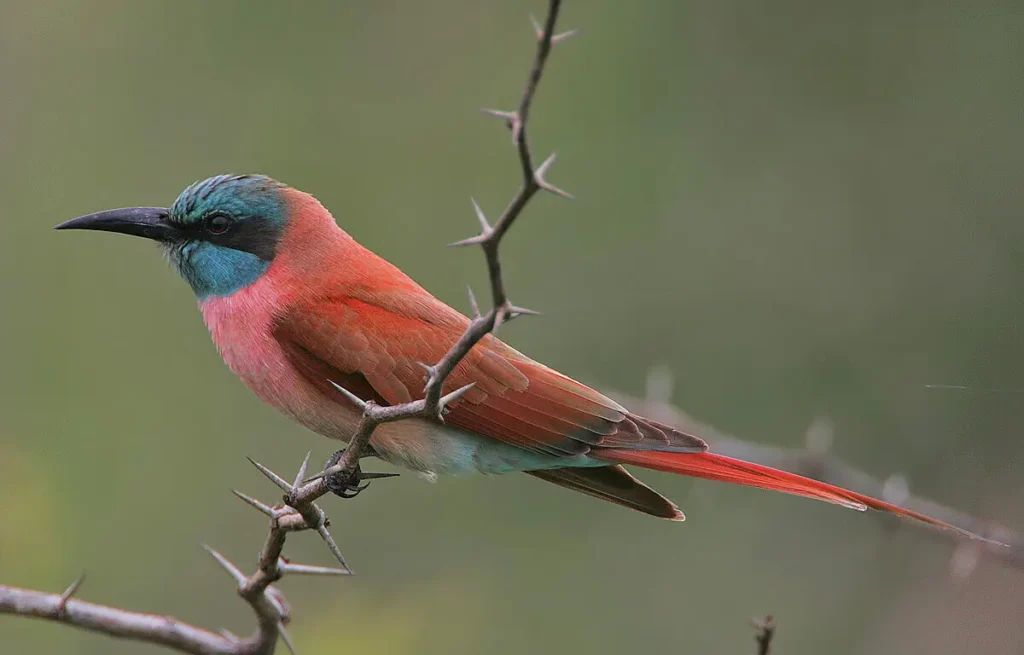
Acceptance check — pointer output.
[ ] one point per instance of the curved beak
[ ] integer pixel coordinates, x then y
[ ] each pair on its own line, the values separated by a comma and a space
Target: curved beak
149, 222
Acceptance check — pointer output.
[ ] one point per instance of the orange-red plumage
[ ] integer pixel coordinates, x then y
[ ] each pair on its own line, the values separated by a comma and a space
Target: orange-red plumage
295, 306
343, 314
353, 318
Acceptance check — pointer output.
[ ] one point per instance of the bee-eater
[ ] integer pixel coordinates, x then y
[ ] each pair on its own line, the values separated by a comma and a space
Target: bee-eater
294, 304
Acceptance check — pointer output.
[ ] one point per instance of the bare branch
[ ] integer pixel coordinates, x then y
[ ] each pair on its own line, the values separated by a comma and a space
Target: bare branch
151, 628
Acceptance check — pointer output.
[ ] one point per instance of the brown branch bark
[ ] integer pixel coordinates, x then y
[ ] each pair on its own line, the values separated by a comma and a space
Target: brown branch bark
152, 628
299, 511
817, 462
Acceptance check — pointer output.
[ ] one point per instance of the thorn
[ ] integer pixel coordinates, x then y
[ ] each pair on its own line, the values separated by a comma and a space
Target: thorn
262, 507
563, 36
455, 395
545, 165
472, 302
333, 547
66, 596
557, 38
273, 477
539, 174
305, 569
536, 27
508, 312
72, 589
227, 566
471, 241
286, 638
370, 475
510, 117
354, 399
330, 470
302, 470
500, 314
430, 371
484, 225
315, 477
515, 311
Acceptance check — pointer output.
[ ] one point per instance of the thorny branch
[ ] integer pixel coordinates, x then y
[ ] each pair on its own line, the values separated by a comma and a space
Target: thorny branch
489, 239
298, 511
816, 461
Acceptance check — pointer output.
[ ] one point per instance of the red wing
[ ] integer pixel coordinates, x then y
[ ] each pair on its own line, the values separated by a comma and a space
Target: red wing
373, 346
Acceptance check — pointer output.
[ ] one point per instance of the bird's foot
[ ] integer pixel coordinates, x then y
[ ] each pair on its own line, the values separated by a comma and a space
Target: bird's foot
349, 484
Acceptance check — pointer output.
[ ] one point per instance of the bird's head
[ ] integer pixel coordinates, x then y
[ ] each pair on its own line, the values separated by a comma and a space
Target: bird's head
221, 234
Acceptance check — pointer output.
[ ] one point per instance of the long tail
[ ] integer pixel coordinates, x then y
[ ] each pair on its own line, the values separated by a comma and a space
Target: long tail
727, 469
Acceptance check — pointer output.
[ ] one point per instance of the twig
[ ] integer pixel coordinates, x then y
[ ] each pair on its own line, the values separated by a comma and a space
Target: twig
299, 510
764, 633
151, 628
816, 461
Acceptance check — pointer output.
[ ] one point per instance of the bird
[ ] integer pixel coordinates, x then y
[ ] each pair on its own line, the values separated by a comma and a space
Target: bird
296, 307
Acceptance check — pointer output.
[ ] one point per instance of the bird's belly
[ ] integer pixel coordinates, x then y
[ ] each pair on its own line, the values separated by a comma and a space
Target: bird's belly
241, 326
435, 448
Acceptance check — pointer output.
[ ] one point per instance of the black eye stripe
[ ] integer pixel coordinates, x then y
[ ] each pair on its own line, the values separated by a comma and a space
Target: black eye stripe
255, 234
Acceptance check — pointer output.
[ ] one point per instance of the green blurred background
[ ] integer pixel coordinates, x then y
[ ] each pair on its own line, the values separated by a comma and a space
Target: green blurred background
802, 209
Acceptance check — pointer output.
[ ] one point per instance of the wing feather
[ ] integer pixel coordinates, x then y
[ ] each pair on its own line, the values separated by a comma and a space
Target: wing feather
377, 342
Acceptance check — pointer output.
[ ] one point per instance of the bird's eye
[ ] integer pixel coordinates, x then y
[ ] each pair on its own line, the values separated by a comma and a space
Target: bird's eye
217, 224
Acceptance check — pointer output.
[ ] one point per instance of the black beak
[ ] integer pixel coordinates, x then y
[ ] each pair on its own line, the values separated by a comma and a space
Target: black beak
149, 222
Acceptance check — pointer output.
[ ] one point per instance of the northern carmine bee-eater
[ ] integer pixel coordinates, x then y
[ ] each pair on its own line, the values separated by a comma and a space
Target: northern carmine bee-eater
294, 304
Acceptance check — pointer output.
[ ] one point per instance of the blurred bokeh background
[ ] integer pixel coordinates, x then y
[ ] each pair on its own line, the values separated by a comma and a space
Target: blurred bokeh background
802, 209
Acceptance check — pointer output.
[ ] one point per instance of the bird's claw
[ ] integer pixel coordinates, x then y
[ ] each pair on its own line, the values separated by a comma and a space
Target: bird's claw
349, 484
344, 483
349, 491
